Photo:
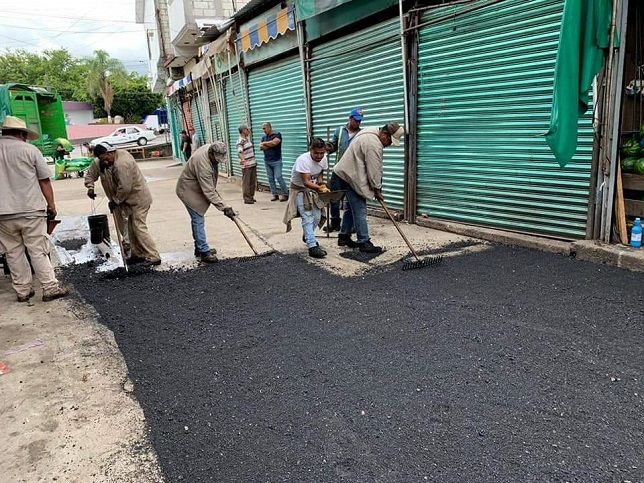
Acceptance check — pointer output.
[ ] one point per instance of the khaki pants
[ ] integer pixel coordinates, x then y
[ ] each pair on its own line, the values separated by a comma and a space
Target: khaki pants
141, 243
20, 236
249, 183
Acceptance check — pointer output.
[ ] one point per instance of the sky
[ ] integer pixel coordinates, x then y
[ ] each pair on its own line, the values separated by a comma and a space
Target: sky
80, 26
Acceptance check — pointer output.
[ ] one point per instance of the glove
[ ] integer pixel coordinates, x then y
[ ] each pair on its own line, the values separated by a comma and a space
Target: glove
228, 211
51, 213
112, 205
90, 194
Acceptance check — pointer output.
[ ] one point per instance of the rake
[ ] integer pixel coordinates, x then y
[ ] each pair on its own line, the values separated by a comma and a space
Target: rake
418, 263
257, 254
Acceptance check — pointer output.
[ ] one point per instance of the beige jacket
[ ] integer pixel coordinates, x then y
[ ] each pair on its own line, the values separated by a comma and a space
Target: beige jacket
361, 163
197, 185
123, 182
311, 201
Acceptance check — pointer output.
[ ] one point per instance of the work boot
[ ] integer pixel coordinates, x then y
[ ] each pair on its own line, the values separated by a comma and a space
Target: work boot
208, 257
54, 294
25, 298
368, 247
346, 241
317, 252
134, 260
275, 198
333, 226
283, 198
249, 202
151, 262
198, 253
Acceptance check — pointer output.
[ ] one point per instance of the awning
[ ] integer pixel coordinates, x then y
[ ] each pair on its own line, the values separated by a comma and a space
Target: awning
176, 85
269, 28
307, 9
199, 69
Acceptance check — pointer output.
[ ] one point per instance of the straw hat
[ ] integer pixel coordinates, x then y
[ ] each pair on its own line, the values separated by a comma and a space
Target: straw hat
17, 124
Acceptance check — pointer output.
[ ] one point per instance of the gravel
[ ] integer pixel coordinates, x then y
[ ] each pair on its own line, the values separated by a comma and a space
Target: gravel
504, 365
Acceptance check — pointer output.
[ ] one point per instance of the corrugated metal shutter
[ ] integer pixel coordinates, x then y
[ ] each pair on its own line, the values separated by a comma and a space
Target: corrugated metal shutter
215, 122
485, 93
197, 115
235, 110
277, 96
363, 69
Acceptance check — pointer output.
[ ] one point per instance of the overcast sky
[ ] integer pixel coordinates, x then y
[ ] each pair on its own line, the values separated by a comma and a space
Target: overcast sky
80, 26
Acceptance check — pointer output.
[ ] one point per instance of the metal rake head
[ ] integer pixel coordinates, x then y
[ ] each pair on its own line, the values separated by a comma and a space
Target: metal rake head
427, 262
257, 257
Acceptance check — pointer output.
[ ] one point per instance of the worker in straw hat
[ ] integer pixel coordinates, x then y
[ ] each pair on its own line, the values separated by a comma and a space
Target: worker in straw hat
129, 199
26, 202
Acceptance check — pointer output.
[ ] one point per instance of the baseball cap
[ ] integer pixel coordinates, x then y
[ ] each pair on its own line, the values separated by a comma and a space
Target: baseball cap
357, 114
395, 131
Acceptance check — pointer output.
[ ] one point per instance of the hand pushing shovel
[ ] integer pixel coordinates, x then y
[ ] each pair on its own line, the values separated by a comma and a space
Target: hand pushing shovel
419, 263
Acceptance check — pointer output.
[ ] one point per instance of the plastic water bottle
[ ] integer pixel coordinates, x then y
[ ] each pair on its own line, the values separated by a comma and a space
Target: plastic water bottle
636, 234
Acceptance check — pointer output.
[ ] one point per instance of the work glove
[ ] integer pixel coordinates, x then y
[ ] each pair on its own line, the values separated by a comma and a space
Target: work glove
112, 205
90, 194
51, 213
228, 211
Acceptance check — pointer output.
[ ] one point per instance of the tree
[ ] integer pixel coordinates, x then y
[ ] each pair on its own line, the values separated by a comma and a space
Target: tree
103, 72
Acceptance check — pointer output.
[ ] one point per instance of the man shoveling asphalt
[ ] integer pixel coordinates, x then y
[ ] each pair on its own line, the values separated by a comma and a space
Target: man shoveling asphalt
359, 173
197, 189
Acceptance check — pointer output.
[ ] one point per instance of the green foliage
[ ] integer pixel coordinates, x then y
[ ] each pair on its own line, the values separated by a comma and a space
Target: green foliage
132, 104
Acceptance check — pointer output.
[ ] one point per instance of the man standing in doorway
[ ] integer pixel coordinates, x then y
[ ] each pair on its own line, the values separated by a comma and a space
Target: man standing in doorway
246, 153
195, 142
197, 189
129, 198
186, 146
26, 202
359, 173
339, 144
272, 146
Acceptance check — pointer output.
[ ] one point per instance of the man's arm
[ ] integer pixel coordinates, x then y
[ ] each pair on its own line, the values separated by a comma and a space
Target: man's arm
308, 182
373, 166
207, 184
91, 175
48, 192
240, 153
332, 146
125, 172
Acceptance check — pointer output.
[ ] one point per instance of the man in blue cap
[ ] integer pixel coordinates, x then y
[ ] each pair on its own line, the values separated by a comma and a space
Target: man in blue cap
340, 142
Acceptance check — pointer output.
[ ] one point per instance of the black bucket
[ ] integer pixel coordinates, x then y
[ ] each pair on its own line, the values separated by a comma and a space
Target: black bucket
99, 229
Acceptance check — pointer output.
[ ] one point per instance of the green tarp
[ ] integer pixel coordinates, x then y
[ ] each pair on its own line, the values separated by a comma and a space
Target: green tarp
584, 38
310, 8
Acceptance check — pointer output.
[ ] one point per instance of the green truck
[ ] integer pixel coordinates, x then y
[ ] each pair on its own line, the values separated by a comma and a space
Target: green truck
40, 108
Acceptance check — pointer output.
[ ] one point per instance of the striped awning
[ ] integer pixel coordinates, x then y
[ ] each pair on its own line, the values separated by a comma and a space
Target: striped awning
181, 83
269, 28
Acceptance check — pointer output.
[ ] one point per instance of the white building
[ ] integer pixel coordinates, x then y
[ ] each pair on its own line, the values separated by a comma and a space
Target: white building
153, 14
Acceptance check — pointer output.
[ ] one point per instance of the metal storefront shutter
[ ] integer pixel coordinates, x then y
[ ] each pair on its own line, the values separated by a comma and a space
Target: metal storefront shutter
215, 122
197, 116
277, 95
235, 110
363, 69
485, 93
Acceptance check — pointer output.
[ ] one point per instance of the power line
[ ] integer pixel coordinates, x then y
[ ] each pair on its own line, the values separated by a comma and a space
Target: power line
73, 31
32, 15
19, 41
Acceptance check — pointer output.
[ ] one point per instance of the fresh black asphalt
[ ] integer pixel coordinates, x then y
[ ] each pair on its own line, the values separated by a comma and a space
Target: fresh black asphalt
506, 365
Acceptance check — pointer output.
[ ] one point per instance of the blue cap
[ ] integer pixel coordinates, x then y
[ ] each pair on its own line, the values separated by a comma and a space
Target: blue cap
357, 114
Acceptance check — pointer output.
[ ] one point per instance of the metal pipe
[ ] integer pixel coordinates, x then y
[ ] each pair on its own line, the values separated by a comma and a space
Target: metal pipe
614, 99
301, 39
438, 5
403, 46
463, 12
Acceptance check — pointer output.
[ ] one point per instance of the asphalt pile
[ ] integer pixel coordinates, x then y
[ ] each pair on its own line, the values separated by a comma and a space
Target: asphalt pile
504, 365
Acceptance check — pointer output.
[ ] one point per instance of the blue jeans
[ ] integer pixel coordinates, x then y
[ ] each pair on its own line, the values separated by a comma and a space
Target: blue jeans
355, 214
335, 211
310, 220
198, 223
274, 172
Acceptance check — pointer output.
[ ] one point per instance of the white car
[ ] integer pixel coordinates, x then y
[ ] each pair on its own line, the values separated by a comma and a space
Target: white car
126, 135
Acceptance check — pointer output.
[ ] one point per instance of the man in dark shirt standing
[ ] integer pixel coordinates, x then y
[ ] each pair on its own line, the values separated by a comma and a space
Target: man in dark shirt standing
272, 146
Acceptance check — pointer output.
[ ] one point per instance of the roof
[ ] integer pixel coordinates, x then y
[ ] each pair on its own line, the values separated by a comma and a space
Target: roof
74, 106
254, 8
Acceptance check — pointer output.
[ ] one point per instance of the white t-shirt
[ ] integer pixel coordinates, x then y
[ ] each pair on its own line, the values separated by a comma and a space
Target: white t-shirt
305, 165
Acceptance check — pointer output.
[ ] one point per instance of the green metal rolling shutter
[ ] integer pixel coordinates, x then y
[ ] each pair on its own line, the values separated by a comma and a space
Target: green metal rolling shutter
277, 95
197, 115
363, 69
485, 93
235, 110
215, 122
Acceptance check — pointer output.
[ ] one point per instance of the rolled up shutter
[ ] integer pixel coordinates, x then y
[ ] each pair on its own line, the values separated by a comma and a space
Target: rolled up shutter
235, 110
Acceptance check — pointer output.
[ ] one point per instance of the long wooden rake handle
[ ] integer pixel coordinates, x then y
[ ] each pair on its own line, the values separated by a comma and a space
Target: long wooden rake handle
241, 230
384, 207
120, 239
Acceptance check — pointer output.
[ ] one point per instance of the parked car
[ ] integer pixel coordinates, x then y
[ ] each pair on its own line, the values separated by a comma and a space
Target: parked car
126, 135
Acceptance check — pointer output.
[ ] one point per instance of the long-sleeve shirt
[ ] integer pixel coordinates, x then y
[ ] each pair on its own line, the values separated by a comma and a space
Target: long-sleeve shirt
197, 184
122, 182
341, 140
361, 164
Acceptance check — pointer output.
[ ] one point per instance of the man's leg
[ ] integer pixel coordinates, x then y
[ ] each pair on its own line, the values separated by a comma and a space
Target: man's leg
247, 189
308, 222
198, 223
140, 240
11, 239
358, 207
252, 181
280, 179
270, 172
34, 236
